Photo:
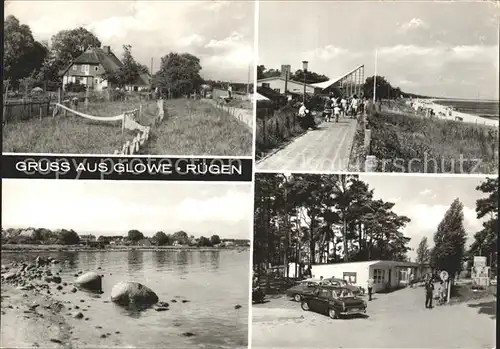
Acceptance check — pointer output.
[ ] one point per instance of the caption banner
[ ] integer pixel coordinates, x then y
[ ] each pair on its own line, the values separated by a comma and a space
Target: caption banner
126, 168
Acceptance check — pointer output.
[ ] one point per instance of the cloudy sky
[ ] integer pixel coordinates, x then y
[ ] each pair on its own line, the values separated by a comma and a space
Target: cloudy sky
219, 32
446, 49
425, 199
115, 207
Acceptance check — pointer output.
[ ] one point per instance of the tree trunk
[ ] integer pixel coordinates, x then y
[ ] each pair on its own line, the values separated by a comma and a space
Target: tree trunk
312, 245
344, 231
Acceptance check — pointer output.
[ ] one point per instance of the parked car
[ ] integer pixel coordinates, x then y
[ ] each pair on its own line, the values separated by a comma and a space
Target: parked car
356, 290
304, 287
334, 302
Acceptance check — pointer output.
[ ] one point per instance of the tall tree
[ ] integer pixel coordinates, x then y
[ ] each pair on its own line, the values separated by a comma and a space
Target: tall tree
449, 241
69, 44
423, 253
179, 74
485, 240
129, 72
161, 238
215, 239
135, 235
23, 56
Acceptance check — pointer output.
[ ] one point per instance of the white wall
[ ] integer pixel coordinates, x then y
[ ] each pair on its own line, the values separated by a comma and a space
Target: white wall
291, 86
337, 270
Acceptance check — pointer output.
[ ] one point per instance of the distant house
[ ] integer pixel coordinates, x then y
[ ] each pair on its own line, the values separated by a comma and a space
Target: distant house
144, 242
89, 69
87, 238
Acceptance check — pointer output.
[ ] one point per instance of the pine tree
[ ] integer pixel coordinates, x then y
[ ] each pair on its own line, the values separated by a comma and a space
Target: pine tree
449, 241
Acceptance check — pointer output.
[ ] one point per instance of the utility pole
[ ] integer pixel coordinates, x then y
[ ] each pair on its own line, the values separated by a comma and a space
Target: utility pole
375, 77
151, 79
248, 81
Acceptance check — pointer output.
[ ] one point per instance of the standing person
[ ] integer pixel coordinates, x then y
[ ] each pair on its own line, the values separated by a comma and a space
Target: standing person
354, 106
411, 280
336, 112
370, 288
429, 290
343, 103
230, 91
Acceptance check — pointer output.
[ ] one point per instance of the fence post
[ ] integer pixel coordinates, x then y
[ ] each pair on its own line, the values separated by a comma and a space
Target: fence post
40, 113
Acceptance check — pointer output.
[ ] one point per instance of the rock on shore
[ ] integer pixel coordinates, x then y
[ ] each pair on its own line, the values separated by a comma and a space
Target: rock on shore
125, 293
90, 281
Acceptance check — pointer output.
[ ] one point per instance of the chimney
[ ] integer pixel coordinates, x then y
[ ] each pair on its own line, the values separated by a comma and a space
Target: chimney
285, 70
106, 49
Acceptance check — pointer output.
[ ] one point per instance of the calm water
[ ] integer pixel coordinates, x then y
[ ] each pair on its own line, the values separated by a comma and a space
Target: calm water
213, 282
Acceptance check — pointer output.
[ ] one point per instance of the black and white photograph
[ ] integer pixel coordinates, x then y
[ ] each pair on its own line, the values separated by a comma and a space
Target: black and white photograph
129, 77
381, 86
123, 264
374, 261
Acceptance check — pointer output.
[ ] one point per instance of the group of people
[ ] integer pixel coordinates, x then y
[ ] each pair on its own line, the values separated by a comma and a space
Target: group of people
429, 292
340, 106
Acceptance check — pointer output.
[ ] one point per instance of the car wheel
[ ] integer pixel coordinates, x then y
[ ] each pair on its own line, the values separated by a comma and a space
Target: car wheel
332, 313
297, 297
305, 306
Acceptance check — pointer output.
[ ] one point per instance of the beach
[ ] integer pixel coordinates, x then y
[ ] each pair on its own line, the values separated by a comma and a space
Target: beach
444, 110
43, 307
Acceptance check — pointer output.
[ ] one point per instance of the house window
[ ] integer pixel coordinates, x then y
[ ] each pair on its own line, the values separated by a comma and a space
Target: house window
378, 275
96, 81
276, 89
350, 277
96, 68
75, 67
265, 84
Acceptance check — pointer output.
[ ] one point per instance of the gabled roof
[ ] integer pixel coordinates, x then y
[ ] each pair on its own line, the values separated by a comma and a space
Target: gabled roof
282, 78
95, 55
328, 83
143, 80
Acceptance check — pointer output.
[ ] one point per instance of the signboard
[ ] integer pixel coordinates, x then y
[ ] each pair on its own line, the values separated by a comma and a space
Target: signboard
479, 261
444, 275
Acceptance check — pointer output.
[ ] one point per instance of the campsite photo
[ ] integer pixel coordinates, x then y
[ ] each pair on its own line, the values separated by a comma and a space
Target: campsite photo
370, 261
129, 265
133, 78
395, 87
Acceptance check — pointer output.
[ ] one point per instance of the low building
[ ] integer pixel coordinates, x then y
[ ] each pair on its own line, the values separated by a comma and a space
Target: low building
277, 83
385, 274
87, 238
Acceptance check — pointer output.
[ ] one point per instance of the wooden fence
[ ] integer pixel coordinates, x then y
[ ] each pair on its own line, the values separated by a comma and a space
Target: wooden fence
25, 109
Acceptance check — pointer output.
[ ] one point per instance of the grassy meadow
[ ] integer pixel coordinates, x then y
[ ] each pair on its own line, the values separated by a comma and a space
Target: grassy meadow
414, 144
190, 127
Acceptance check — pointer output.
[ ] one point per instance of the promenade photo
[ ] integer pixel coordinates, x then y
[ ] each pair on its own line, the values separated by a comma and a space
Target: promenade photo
110, 264
132, 78
370, 261
395, 87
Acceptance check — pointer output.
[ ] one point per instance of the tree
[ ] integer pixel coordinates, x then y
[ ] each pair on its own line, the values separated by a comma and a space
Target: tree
181, 237
129, 72
311, 77
204, 242
423, 252
485, 240
179, 74
23, 56
135, 235
69, 44
449, 241
215, 239
162, 239
68, 237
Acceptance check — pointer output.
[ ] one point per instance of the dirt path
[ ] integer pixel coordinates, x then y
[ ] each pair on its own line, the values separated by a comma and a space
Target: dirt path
396, 320
326, 149
244, 115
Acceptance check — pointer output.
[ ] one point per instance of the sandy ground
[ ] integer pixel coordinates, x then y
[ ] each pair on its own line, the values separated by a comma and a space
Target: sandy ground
470, 118
395, 320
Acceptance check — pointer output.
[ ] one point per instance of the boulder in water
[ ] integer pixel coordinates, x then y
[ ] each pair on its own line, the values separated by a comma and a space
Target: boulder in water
90, 281
126, 293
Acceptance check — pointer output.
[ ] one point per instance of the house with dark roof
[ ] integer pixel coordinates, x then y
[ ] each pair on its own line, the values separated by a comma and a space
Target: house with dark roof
90, 67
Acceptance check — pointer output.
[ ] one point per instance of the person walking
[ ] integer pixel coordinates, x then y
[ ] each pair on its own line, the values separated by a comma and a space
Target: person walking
343, 103
429, 290
370, 288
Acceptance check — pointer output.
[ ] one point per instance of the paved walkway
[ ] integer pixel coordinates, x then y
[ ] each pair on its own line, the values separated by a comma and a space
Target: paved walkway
395, 320
326, 149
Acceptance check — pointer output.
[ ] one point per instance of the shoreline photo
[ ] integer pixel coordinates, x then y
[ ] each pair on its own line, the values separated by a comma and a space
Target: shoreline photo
92, 286
103, 83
